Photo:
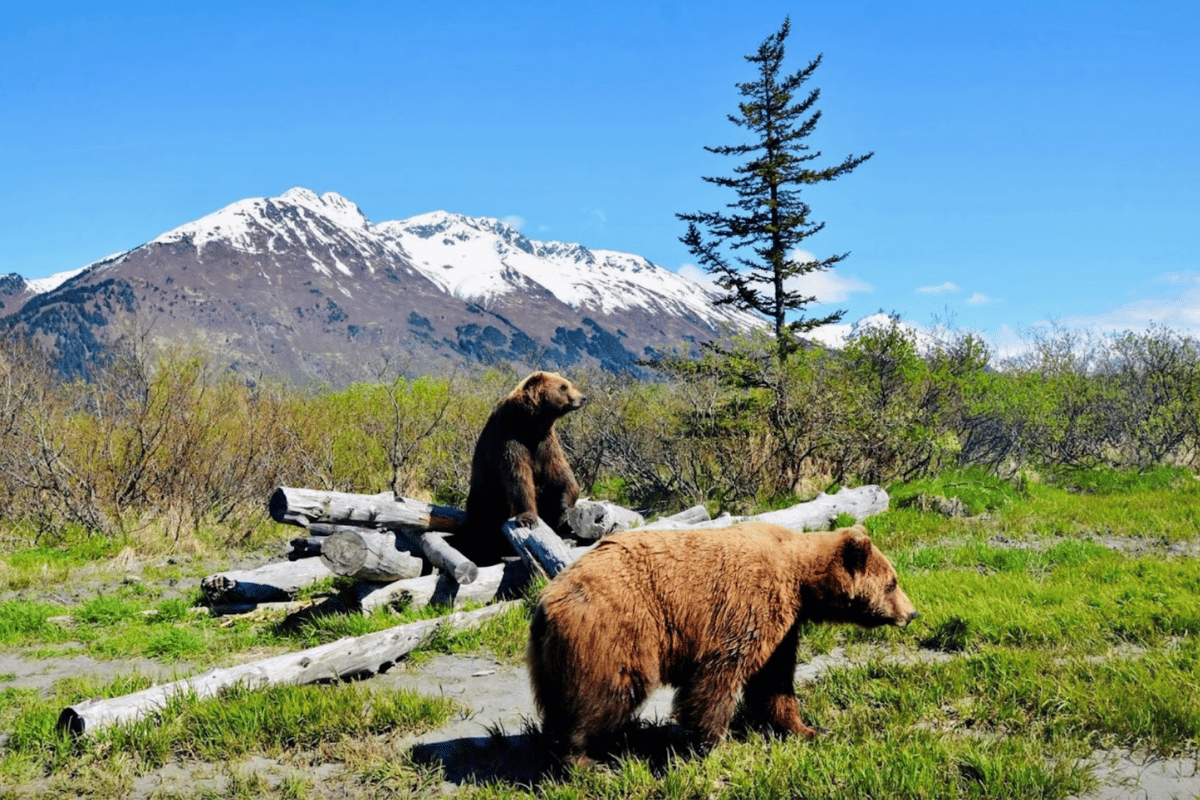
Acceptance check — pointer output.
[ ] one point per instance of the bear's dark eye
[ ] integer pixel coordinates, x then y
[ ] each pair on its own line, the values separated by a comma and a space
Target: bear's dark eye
893, 586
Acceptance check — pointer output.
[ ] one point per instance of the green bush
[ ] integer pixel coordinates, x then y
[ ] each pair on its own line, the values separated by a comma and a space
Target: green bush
165, 452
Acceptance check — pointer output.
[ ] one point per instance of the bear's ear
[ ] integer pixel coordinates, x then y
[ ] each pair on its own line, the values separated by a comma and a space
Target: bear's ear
856, 549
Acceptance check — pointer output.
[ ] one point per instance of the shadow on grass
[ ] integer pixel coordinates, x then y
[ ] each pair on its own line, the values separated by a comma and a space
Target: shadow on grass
522, 759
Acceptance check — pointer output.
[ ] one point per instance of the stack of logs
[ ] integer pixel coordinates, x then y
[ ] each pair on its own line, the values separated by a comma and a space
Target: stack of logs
396, 548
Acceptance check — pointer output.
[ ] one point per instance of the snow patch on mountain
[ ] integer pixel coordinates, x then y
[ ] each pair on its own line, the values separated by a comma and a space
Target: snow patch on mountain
477, 259
298, 217
41, 285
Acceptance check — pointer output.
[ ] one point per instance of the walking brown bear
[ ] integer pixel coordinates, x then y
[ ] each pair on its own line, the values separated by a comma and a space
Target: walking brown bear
519, 468
710, 612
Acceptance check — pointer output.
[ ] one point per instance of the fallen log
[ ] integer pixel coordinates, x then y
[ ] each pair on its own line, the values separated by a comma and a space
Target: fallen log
278, 581
370, 556
439, 553
542, 550
503, 581
593, 519
306, 506
345, 659
815, 515
818, 514
684, 519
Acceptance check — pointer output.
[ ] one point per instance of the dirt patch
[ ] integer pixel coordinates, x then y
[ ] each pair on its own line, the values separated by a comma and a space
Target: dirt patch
1124, 775
43, 673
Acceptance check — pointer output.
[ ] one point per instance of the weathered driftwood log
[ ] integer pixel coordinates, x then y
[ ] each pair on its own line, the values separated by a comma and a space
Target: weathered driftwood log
499, 581
684, 519
277, 581
380, 556
539, 547
817, 514
439, 553
592, 519
504, 580
345, 659
306, 506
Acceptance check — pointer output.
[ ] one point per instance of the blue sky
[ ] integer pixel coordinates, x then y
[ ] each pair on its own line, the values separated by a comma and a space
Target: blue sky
1034, 161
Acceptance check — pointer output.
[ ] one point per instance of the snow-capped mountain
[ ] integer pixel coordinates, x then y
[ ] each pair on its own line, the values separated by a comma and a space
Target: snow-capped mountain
482, 259
306, 287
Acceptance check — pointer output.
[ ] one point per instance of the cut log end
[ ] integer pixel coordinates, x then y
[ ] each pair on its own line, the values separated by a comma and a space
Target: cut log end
71, 721
466, 572
345, 555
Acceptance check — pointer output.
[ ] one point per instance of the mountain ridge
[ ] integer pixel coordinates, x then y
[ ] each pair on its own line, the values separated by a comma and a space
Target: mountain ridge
306, 287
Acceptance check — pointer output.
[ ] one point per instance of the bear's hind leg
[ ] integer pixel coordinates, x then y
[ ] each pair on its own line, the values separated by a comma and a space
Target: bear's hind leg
705, 704
770, 693
565, 738
572, 730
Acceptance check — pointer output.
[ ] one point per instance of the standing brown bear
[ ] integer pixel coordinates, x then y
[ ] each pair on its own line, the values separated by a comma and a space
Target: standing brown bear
519, 468
710, 612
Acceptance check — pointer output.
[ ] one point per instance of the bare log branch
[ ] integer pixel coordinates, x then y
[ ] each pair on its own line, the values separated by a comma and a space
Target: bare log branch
305, 506
504, 580
277, 581
443, 556
345, 659
684, 519
816, 514
539, 547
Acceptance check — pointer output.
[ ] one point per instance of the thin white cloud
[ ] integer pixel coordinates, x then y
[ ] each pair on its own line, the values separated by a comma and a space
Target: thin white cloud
939, 289
827, 286
514, 221
979, 299
1178, 309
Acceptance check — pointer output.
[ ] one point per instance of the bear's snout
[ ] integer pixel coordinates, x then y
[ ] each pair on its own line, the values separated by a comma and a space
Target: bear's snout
903, 611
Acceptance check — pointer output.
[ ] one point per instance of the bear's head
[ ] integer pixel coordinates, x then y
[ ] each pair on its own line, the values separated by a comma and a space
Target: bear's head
865, 591
549, 395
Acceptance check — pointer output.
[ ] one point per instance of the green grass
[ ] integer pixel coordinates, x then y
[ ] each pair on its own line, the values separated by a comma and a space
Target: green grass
1037, 645
274, 721
23, 622
978, 490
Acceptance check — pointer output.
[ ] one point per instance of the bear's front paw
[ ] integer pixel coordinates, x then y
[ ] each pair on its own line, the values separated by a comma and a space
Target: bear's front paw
527, 519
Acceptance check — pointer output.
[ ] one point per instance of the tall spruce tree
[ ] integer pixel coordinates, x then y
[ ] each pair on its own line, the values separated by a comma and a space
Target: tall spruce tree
769, 219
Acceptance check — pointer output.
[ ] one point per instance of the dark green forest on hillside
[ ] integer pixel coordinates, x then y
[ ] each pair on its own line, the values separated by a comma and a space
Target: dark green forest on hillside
165, 445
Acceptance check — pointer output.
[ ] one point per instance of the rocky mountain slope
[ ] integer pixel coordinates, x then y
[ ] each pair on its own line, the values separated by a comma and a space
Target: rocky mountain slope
306, 288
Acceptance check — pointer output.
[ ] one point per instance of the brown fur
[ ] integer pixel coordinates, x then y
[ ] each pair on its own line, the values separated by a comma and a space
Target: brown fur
519, 468
710, 612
